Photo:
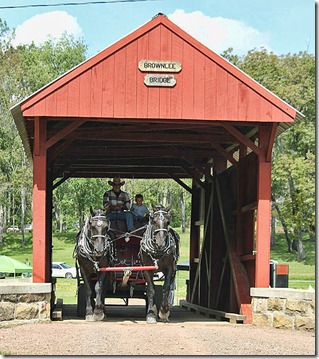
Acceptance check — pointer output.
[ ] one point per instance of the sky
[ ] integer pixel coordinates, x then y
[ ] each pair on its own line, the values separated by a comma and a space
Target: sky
280, 26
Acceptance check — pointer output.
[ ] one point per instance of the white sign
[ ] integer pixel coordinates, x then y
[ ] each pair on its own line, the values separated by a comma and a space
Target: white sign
159, 66
160, 80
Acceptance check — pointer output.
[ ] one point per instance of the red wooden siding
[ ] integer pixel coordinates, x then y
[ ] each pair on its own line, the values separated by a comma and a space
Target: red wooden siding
114, 87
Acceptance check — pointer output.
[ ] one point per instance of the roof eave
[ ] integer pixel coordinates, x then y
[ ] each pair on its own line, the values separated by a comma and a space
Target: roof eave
19, 122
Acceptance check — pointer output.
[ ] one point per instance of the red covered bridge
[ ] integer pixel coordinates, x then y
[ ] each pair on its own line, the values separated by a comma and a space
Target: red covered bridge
197, 116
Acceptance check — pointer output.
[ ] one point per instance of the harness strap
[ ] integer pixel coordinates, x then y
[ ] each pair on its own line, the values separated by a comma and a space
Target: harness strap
82, 247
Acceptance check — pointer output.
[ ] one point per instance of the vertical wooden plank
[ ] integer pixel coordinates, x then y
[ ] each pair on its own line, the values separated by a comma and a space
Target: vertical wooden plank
154, 54
277, 115
40, 272
232, 98
199, 85
242, 102
141, 89
107, 109
265, 111
96, 91
253, 103
188, 82
38, 108
166, 92
176, 97
73, 100
194, 239
62, 100
85, 93
131, 78
51, 104
119, 83
210, 90
221, 93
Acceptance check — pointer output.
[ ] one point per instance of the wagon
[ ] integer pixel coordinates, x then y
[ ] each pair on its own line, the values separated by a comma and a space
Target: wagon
126, 273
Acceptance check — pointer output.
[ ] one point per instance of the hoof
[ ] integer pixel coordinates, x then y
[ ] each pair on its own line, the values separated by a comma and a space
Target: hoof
151, 319
97, 317
164, 316
89, 318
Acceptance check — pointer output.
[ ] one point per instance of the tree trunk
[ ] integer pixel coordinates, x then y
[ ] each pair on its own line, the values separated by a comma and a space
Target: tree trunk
57, 215
182, 197
300, 250
23, 207
283, 223
273, 230
2, 223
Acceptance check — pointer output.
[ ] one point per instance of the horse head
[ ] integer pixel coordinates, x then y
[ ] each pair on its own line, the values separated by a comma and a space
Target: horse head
160, 220
99, 226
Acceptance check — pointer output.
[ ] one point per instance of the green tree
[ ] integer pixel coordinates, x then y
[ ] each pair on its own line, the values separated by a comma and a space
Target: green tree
292, 78
23, 70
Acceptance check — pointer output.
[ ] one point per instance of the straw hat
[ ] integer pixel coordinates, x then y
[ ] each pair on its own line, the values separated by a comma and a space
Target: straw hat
116, 181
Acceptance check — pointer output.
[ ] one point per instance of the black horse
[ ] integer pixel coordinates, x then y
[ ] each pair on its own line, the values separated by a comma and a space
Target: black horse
159, 247
93, 251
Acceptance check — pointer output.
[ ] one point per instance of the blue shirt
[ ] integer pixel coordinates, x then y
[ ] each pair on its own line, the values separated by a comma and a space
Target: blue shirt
139, 211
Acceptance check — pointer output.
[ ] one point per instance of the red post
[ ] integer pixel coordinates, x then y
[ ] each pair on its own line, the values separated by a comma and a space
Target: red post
262, 272
40, 272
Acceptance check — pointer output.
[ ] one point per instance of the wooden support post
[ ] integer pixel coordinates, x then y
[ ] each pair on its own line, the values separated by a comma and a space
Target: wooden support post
194, 237
262, 272
41, 274
238, 272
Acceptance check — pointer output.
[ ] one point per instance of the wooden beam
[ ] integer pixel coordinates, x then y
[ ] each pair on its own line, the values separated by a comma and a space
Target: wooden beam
184, 185
194, 175
271, 141
63, 133
94, 134
242, 138
224, 153
60, 149
140, 151
238, 272
204, 171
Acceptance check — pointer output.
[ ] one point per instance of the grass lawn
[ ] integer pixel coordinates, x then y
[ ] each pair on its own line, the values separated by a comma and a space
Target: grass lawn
301, 274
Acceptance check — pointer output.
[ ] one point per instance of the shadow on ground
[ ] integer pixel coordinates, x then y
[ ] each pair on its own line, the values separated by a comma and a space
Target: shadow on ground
137, 313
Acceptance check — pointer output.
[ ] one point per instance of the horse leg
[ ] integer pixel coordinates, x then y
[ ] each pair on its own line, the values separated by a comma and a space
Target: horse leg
88, 294
98, 314
165, 306
151, 310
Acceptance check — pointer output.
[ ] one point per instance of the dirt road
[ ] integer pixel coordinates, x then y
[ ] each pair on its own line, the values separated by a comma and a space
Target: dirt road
124, 332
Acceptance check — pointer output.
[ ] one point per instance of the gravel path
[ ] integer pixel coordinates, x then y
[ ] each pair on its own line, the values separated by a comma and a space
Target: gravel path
124, 332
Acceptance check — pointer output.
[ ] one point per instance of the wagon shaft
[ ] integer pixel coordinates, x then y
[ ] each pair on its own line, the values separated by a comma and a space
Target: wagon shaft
121, 269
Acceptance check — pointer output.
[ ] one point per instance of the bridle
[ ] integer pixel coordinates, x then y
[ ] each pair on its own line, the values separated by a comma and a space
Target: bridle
161, 218
85, 242
148, 241
100, 219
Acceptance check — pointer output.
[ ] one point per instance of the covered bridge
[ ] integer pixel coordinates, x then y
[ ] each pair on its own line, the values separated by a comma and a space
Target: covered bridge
159, 104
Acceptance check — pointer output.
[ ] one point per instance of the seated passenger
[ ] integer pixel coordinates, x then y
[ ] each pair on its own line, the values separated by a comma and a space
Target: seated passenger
140, 211
117, 202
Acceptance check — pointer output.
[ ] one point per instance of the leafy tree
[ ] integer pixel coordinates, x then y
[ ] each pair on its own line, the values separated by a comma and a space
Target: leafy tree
292, 78
23, 70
